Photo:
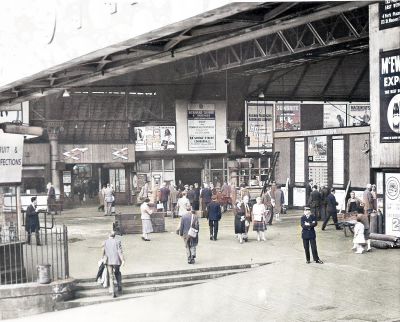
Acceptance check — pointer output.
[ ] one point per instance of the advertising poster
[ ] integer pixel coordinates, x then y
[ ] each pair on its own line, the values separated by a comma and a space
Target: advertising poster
287, 116
11, 148
299, 197
392, 204
317, 149
201, 127
389, 96
334, 115
389, 14
259, 126
154, 138
359, 114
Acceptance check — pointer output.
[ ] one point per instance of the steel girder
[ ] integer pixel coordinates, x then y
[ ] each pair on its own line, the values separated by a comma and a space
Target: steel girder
345, 33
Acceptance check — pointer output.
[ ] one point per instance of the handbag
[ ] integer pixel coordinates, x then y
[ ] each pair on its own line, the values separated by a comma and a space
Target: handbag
192, 231
160, 206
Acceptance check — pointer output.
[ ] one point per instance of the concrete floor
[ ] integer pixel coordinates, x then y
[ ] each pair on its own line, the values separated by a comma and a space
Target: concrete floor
348, 287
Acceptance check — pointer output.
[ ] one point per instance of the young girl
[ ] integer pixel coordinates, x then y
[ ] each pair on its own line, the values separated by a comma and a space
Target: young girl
358, 236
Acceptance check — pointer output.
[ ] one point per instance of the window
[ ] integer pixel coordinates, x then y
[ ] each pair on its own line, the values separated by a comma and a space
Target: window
117, 179
143, 166
168, 165
156, 165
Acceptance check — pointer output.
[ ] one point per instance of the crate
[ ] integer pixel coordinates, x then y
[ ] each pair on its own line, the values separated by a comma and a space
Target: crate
132, 223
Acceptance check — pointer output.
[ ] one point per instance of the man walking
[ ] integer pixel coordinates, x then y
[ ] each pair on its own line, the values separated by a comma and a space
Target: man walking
214, 216
112, 250
308, 222
108, 200
32, 221
189, 219
315, 202
331, 210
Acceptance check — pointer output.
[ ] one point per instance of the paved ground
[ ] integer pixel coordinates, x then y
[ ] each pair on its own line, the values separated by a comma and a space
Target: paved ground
348, 287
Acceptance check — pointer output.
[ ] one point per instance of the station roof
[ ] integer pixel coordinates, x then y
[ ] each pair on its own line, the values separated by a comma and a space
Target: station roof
247, 38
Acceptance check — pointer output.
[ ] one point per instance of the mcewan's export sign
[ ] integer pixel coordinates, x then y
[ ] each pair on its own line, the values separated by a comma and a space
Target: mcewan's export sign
11, 148
390, 95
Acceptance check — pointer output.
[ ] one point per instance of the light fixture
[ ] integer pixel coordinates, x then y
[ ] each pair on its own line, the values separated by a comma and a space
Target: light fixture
261, 95
66, 93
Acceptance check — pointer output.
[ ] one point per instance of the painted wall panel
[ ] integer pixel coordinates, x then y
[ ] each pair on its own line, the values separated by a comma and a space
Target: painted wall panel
359, 160
282, 170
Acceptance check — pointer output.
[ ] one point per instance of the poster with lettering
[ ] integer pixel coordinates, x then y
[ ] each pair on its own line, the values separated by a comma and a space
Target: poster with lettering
359, 114
317, 149
154, 138
287, 116
259, 126
389, 14
389, 91
334, 115
392, 204
11, 148
201, 127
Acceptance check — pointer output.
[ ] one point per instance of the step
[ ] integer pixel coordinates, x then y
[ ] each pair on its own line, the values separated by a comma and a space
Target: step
101, 291
185, 271
99, 299
126, 282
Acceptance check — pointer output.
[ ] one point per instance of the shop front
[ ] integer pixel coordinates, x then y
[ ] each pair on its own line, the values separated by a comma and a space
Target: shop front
88, 167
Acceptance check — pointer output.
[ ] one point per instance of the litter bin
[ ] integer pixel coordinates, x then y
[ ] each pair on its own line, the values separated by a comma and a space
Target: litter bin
43, 274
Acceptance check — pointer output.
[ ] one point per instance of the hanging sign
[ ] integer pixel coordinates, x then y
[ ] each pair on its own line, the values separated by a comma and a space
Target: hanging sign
259, 126
11, 148
389, 14
389, 96
201, 127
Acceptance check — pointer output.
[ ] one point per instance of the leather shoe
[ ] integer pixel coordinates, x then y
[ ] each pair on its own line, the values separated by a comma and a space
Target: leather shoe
308, 262
319, 261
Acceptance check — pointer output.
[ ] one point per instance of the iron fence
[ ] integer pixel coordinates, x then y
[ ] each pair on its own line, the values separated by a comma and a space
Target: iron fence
19, 259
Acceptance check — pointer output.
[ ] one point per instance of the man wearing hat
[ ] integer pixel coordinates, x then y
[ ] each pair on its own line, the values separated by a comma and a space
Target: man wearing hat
308, 222
214, 215
32, 221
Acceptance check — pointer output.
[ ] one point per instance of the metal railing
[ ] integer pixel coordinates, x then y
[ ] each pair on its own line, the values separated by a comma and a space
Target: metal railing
19, 260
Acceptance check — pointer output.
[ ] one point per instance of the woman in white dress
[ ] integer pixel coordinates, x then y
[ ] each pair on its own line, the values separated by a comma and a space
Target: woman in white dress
259, 212
145, 212
359, 238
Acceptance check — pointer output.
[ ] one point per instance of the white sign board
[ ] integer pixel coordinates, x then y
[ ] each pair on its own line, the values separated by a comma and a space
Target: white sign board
392, 204
11, 148
299, 197
259, 126
201, 127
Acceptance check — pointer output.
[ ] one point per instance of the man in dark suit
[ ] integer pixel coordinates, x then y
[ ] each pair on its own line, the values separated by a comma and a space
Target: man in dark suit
331, 210
205, 195
164, 194
308, 222
309, 188
32, 221
214, 216
314, 202
51, 197
324, 201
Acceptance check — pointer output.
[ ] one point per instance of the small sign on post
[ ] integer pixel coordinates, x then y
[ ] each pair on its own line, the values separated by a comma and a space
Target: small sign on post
11, 148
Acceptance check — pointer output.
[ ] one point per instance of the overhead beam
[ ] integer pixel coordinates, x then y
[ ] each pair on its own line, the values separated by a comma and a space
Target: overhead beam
279, 10
205, 46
